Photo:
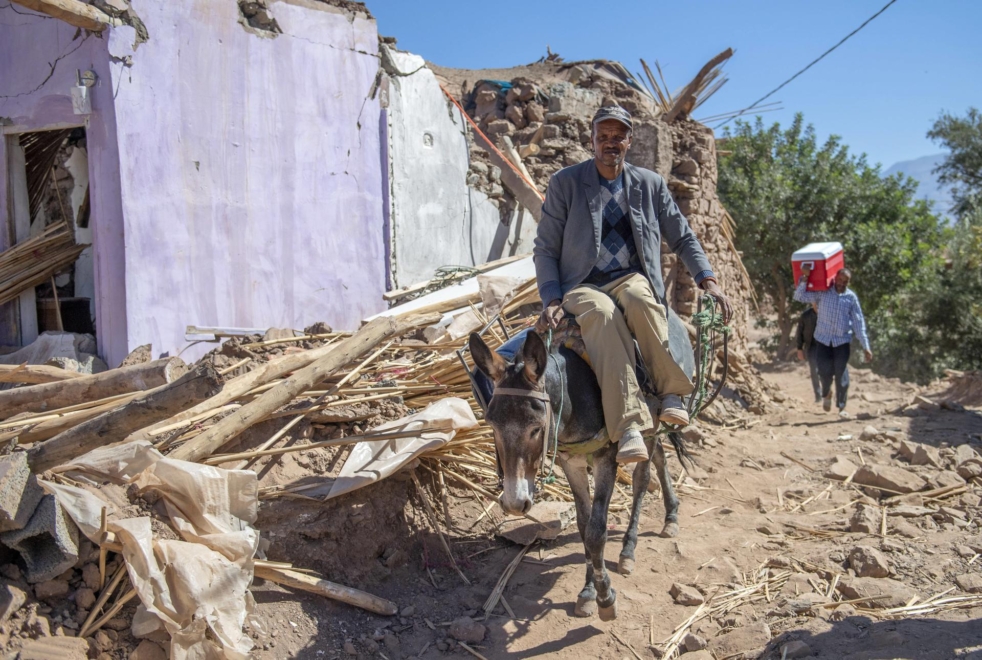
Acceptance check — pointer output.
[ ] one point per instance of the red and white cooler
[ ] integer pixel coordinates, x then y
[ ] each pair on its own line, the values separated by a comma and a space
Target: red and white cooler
825, 260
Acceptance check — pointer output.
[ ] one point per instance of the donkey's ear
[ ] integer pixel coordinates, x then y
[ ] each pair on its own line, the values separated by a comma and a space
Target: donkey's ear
535, 357
486, 360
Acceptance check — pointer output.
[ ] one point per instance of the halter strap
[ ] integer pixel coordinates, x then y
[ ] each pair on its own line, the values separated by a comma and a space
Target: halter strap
550, 419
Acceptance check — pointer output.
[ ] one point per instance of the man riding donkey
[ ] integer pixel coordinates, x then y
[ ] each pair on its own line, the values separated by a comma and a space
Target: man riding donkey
598, 256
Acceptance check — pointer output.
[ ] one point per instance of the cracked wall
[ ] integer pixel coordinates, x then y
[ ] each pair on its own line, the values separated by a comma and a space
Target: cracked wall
260, 203
39, 57
434, 217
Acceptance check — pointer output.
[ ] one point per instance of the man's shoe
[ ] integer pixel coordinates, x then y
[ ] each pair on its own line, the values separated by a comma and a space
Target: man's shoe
631, 448
843, 414
672, 410
827, 403
818, 398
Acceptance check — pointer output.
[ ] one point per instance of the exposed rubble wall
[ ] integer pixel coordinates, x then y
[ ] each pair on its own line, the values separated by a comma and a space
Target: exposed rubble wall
433, 217
545, 110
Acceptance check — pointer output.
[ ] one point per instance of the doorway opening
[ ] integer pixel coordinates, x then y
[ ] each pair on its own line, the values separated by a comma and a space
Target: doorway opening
49, 189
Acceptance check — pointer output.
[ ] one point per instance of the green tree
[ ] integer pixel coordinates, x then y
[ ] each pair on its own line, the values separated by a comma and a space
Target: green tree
962, 168
785, 190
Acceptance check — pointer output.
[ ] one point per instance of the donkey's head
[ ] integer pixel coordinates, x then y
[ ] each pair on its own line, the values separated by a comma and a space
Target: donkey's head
520, 423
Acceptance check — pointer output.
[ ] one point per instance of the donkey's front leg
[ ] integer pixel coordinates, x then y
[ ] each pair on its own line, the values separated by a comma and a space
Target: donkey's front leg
575, 469
671, 528
604, 474
639, 486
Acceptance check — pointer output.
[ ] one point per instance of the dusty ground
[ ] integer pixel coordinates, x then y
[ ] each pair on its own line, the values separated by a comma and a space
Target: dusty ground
733, 521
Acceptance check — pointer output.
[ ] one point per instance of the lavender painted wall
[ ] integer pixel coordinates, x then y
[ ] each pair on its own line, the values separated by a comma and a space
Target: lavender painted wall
250, 170
32, 97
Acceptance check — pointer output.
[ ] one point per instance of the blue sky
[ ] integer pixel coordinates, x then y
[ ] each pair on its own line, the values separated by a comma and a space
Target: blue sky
880, 91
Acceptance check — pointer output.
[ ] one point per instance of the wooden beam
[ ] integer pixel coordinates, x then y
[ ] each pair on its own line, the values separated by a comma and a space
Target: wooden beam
160, 403
34, 374
369, 336
50, 396
73, 12
321, 587
685, 100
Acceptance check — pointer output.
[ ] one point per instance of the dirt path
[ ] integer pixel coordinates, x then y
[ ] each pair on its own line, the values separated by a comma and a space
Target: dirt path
759, 495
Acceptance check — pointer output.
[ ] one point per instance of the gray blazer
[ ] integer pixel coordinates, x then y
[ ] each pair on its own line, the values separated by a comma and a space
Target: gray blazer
567, 244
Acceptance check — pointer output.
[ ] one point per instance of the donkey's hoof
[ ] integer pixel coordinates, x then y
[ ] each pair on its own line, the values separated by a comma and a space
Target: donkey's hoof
670, 530
608, 613
626, 565
585, 607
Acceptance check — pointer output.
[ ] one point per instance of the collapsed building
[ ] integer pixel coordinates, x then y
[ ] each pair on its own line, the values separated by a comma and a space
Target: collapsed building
258, 178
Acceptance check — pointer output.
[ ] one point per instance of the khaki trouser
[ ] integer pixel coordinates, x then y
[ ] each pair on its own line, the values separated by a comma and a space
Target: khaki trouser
607, 334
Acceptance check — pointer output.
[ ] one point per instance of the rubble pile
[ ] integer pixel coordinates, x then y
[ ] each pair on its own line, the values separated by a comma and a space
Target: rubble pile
546, 113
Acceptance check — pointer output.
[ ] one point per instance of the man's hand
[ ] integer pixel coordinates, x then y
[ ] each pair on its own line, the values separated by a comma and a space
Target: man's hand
868, 355
801, 355
552, 314
712, 288
806, 271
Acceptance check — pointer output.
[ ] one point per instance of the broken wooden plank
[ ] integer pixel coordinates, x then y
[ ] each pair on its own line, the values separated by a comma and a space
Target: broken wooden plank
73, 12
113, 426
686, 99
316, 585
369, 336
50, 396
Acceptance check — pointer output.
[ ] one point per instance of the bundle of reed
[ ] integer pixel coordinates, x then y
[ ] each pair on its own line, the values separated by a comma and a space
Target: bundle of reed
35, 260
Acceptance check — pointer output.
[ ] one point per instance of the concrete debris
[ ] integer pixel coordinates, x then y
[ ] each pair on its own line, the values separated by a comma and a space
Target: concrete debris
865, 520
926, 455
11, 600
20, 492
48, 544
138, 355
841, 469
692, 642
869, 433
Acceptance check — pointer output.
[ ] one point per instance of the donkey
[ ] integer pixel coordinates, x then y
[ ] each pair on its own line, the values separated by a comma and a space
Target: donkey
533, 396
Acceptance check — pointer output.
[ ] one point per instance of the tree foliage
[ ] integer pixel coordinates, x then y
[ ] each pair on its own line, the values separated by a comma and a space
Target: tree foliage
786, 190
962, 168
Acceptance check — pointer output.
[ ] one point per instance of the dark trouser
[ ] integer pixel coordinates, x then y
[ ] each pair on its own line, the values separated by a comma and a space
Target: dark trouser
833, 361
812, 356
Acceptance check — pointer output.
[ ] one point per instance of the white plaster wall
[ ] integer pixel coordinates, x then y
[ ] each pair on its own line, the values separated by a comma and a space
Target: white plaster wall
250, 170
435, 219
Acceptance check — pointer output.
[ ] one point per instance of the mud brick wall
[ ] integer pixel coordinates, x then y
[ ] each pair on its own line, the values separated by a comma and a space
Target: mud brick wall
693, 184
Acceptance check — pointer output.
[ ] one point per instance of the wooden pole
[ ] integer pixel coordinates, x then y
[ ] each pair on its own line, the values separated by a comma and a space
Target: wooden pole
113, 426
316, 585
54, 292
49, 396
35, 374
369, 336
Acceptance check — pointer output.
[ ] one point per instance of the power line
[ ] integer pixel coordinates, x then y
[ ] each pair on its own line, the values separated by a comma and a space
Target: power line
810, 64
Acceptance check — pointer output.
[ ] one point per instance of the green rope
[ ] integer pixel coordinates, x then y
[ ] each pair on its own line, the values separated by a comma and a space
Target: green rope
708, 322
551, 477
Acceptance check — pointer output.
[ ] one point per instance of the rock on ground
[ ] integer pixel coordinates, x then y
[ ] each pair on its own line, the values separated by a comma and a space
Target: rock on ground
466, 629
869, 562
683, 594
970, 582
147, 650
892, 478
880, 592
752, 636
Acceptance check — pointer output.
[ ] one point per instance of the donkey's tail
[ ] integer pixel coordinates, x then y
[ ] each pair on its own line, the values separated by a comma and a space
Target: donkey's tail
685, 458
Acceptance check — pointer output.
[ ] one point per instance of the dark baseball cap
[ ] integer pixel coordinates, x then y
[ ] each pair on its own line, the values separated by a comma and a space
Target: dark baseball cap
615, 112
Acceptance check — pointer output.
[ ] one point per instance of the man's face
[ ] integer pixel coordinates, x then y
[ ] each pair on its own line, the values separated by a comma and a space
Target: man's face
842, 280
611, 140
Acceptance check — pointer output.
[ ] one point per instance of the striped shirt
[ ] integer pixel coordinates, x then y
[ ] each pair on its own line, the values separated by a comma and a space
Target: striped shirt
839, 315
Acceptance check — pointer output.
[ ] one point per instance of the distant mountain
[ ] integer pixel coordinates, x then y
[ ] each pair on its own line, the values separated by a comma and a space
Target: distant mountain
928, 188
